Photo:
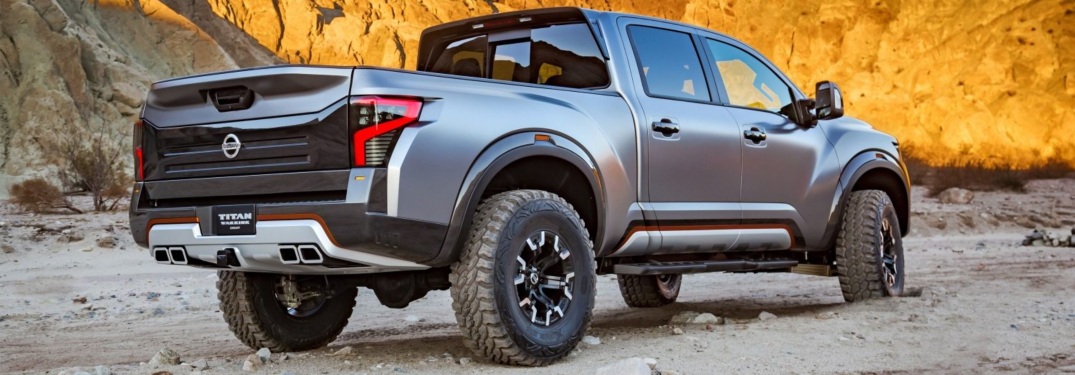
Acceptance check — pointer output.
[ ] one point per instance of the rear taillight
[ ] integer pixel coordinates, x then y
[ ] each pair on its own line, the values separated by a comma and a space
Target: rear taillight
139, 158
375, 122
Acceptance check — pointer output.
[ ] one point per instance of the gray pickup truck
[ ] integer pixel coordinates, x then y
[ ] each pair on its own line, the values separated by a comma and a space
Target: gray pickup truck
530, 152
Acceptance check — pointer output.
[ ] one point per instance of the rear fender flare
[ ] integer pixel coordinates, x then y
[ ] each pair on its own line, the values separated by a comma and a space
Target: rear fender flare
495, 158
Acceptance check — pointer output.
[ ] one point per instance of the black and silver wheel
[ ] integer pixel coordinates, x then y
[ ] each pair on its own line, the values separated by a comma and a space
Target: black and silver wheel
283, 312
649, 290
869, 248
523, 288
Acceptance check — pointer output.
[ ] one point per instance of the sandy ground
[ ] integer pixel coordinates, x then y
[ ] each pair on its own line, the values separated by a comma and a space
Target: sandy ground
986, 305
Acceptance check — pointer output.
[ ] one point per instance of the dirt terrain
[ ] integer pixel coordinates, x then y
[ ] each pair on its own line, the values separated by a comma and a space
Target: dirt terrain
78, 293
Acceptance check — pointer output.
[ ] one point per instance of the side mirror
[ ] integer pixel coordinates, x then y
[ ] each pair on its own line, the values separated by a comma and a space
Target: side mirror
799, 111
830, 101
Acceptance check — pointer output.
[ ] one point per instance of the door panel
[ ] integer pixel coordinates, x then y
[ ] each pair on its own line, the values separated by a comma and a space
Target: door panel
787, 176
692, 155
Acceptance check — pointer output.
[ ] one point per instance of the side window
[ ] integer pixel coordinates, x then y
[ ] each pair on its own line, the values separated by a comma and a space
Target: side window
559, 55
670, 64
567, 56
748, 81
464, 57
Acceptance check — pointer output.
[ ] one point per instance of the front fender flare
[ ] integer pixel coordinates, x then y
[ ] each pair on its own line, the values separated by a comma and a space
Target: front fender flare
854, 170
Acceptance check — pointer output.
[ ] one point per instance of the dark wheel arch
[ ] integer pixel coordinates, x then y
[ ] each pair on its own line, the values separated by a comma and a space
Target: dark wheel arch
871, 170
522, 161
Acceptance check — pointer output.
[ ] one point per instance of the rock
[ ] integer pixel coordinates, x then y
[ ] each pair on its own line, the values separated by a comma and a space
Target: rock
7, 249
629, 366
161, 373
956, 196
264, 354
693, 317
682, 318
79, 299
102, 370
200, 364
343, 351
165, 357
71, 236
591, 340
765, 315
464, 361
107, 242
677, 331
252, 363
707, 318
652, 363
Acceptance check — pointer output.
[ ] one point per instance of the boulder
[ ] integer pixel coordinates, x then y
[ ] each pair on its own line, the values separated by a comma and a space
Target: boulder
956, 196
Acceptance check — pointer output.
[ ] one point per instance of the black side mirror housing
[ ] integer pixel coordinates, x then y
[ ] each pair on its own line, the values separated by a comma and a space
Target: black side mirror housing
800, 112
830, 101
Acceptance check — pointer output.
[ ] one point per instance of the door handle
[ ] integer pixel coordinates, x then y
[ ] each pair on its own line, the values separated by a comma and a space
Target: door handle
754, 134
666, 127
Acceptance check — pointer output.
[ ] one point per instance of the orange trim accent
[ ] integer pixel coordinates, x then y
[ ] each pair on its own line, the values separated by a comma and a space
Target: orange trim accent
642, 228
315, 217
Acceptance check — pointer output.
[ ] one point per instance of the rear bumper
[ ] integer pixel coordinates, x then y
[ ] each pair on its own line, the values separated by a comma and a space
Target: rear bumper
348, 223
281, 246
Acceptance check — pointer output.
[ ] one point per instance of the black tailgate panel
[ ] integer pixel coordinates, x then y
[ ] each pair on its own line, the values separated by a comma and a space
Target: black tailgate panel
284, 144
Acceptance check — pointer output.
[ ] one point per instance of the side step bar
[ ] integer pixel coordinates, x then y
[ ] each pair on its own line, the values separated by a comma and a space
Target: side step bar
702, 266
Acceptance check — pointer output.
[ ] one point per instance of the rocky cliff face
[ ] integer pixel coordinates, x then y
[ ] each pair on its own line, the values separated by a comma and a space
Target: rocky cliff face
70, 68
993, 80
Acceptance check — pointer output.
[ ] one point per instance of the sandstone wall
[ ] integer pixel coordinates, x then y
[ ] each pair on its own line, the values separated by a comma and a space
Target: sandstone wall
992, 79
68, 68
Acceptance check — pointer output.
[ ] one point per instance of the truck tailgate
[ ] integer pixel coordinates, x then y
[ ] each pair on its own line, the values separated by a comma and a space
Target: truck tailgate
264, 120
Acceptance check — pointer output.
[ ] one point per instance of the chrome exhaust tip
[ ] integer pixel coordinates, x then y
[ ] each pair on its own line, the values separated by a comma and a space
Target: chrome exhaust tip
289, 254
178, 255
160, 254
310, 254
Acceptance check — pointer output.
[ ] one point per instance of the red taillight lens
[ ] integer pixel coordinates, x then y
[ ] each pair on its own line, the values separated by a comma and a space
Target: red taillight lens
374, 122
139, 158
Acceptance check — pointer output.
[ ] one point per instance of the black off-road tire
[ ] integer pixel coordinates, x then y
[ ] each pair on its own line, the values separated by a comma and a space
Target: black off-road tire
649, 290
250, 307
864, 255
485, 296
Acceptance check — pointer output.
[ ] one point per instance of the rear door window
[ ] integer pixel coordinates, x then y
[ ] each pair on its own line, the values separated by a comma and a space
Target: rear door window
669, 64
465, 57
558, 55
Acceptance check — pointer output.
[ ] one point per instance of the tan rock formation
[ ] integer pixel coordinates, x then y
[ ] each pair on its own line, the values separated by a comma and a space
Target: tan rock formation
995, 80
69, 68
